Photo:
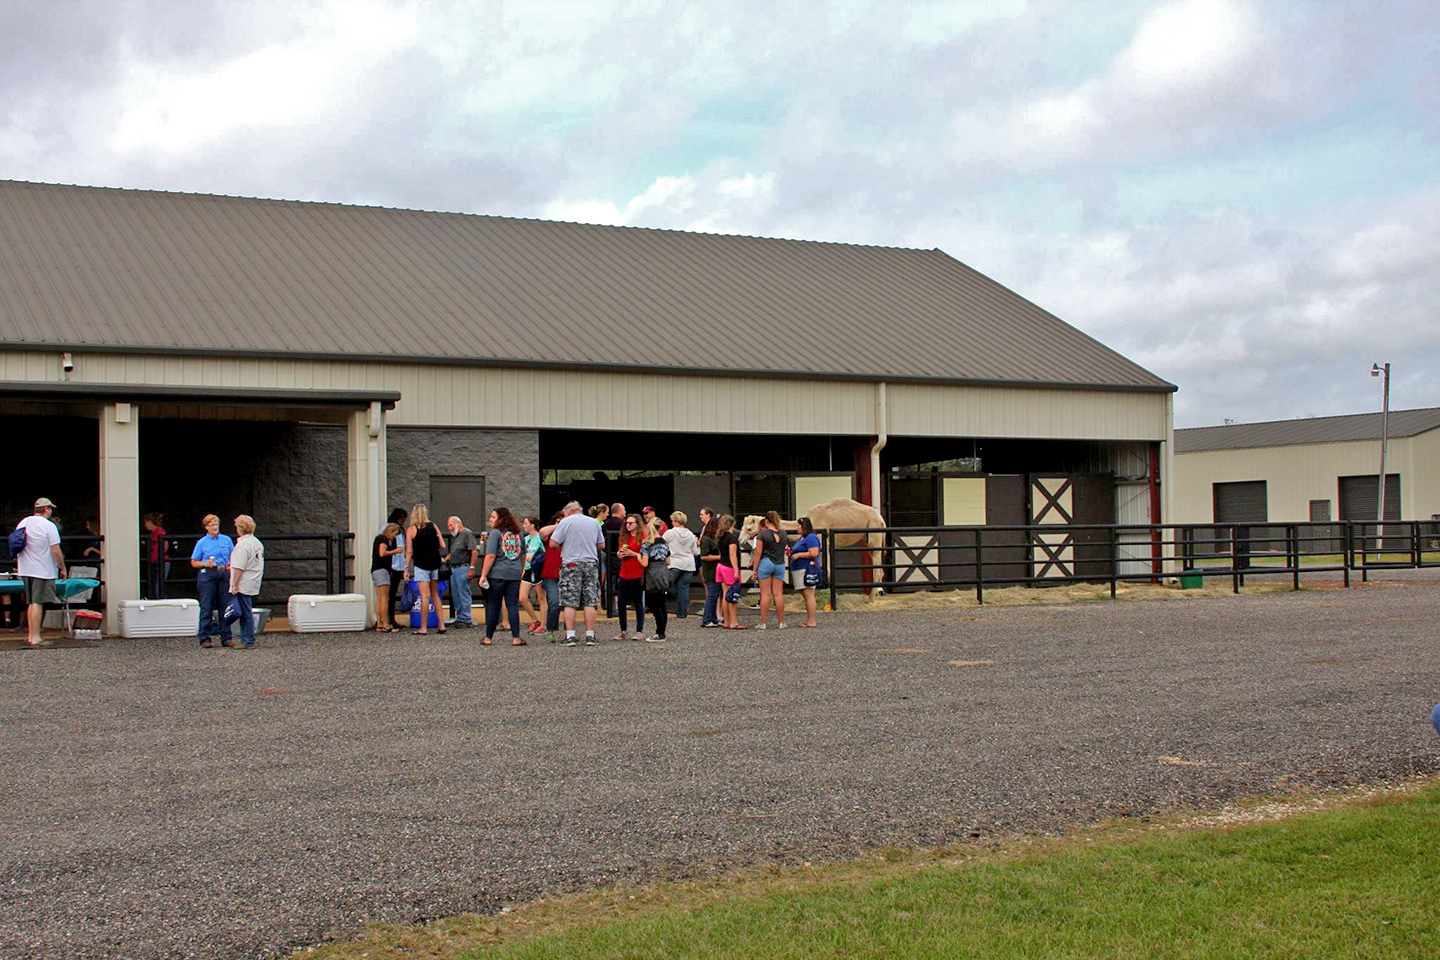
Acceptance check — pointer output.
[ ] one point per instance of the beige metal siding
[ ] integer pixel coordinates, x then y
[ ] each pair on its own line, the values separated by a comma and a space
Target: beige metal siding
1297, 474
477, 396
940, 411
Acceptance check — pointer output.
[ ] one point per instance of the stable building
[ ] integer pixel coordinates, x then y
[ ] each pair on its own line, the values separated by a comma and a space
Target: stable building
1321, 469
313, 364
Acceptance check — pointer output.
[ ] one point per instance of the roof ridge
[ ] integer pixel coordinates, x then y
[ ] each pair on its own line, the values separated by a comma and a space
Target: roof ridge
352, 205
1331, 416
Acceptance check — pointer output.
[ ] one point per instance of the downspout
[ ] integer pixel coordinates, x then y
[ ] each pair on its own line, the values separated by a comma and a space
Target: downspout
882, 437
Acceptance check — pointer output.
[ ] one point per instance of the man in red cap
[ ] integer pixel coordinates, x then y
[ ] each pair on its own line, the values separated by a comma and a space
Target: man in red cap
649, 514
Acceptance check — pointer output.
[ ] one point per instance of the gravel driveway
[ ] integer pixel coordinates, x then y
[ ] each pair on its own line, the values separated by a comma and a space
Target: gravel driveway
166, 801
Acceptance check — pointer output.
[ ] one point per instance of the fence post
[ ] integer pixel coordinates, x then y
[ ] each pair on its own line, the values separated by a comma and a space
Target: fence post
979, 569
1415, 556
1114, 560
1292, 552
830, 568
1234, 559
1347, 547
330, 564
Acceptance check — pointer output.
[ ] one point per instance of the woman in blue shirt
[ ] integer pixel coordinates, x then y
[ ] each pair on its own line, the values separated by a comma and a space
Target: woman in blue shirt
805, 559
211, 557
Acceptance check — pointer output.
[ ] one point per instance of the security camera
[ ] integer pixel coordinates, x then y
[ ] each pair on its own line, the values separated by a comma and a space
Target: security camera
67, 362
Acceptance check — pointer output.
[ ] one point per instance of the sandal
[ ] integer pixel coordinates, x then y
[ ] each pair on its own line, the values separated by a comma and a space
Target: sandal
517, 642
486, 642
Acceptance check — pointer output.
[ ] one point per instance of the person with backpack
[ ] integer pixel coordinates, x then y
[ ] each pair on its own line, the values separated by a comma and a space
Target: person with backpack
655, 559
35, 545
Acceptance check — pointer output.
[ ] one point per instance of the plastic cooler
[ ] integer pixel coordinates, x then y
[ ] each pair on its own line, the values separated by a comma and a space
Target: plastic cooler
327, 613
159, 618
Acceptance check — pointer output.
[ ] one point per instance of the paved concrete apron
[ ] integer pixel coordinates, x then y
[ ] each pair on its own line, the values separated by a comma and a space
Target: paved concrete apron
168, 801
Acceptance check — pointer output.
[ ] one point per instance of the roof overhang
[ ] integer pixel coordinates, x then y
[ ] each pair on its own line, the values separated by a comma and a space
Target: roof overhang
228, 396
528, 363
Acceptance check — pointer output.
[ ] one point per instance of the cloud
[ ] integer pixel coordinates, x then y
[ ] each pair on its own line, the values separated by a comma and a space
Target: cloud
1015, 136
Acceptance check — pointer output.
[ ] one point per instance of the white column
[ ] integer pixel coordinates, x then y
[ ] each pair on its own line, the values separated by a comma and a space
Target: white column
120, 506
1167, 485
366, 468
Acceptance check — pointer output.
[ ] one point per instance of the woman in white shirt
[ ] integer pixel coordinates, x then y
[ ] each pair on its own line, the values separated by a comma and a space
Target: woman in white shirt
684, 548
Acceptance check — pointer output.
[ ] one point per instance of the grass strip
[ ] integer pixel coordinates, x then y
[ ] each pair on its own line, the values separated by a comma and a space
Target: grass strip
1361, 879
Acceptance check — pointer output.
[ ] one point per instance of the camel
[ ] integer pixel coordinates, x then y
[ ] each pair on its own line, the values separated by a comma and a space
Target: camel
841, 513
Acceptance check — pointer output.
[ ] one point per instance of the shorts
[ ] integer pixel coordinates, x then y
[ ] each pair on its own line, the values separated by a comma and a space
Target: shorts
532, 575
426, 576
38, 590
770, 570
381, 578
579, 585
725, 574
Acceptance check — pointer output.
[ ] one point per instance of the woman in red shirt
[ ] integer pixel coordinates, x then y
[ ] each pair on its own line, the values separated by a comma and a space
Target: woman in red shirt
632, 579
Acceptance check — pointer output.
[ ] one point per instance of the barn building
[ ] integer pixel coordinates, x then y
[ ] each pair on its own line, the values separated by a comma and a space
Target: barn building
1320, 469
314, 363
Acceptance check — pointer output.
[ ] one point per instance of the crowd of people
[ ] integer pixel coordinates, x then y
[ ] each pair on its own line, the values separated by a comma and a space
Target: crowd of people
553, 571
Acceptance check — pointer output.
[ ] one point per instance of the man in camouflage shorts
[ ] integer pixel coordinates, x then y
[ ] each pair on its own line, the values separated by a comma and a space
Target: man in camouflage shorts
581, 541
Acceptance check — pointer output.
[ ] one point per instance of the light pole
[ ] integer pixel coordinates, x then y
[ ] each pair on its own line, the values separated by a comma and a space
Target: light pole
1377, 370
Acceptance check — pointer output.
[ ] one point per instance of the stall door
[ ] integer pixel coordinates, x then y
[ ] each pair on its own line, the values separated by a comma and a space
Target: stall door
1052, 504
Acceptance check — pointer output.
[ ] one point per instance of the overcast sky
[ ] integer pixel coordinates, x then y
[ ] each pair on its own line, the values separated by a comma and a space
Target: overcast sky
1242, 196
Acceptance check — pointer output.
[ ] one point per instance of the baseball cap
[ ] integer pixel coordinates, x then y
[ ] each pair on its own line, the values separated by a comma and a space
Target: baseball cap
44, 502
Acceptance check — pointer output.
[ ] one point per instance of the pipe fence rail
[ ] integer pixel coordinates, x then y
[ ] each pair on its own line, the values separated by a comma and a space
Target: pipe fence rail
294, 563
945, 557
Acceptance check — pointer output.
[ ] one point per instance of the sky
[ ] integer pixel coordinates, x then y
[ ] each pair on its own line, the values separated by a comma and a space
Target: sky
1243, 197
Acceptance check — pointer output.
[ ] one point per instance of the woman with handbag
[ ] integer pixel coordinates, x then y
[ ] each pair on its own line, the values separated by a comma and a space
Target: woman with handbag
805, 560
424, 546
655, 559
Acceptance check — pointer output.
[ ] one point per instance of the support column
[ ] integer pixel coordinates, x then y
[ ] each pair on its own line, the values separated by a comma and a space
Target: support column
366, 468
120, 506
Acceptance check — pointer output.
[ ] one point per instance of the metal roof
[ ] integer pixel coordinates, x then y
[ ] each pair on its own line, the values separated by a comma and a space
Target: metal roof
1284, 433
154, 272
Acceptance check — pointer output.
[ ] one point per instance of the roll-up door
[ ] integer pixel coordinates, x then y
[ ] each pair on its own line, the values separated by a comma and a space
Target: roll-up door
1243, 502
1358, 496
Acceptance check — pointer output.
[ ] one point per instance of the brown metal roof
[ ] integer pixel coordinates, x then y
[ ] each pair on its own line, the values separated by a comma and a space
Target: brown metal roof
130, 270
1284, 433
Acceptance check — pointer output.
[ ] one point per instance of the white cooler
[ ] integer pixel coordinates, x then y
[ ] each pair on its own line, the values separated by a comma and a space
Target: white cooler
159, 618
327, 613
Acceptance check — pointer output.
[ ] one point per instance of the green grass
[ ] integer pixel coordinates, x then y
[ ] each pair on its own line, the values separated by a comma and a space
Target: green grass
1360, 880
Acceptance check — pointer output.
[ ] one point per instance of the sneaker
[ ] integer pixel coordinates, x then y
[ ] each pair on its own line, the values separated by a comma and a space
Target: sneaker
624, 635
590, 641
568, 642
712, 623
655, 639
206, 643
782, 626
762, 626
639, 636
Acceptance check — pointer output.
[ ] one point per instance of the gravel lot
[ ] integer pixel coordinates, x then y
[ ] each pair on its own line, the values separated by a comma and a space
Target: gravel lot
168, 801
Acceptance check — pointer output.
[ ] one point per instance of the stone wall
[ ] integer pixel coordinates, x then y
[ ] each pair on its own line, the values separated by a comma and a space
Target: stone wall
509, 460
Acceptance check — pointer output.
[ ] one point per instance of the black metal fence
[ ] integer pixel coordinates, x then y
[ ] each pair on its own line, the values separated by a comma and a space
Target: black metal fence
294, 563
938, 558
